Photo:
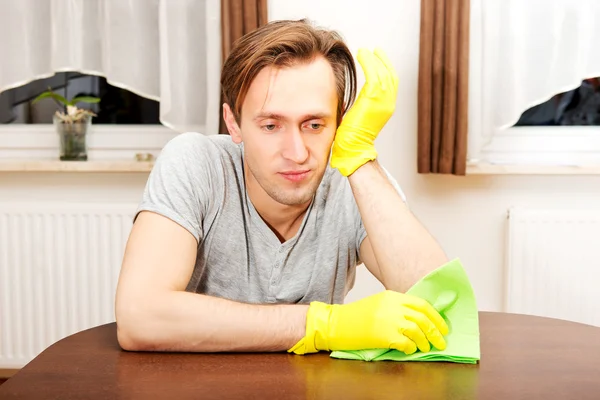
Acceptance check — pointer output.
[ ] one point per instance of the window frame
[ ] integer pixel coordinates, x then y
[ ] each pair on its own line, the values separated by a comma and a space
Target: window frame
539, 147
104, 141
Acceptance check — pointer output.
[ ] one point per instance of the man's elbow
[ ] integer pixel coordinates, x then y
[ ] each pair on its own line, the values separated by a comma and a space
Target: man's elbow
132, 332
127, 340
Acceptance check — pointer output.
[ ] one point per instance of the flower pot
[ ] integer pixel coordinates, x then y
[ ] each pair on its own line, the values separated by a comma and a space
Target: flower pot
73, 138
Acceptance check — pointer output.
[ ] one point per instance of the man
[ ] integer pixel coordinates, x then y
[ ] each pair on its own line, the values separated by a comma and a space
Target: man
249, 242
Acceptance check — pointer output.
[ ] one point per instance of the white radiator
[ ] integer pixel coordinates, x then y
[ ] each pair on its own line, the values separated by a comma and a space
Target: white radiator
59, 265
553, 262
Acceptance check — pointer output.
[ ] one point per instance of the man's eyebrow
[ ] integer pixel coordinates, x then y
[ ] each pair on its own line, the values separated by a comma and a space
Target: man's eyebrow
268, 115
306, 117
321, 115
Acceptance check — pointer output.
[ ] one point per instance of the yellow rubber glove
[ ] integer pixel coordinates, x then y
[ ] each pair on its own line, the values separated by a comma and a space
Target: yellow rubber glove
386, 320
354, 143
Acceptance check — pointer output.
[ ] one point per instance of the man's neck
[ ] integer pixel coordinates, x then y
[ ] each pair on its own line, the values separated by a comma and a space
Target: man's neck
282, 219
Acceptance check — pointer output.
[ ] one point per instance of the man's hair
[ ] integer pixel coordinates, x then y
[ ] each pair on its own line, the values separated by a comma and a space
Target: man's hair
283, 44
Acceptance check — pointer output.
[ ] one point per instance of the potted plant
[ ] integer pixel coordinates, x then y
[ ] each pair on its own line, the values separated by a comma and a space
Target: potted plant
72, 124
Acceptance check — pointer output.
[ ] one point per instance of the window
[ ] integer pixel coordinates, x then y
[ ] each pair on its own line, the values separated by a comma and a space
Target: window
533, 88
577, 107
126, 125
117, 105
563, 131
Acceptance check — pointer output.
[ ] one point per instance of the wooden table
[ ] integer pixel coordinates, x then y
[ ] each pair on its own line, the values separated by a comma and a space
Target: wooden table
522, 357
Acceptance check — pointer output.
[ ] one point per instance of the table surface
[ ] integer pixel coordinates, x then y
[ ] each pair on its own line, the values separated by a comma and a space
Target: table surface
521, 357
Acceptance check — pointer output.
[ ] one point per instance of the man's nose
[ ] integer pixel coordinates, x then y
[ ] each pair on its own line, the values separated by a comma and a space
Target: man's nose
294, 147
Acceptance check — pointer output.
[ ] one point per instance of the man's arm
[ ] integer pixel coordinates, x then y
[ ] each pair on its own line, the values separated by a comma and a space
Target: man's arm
398, 250
155, 313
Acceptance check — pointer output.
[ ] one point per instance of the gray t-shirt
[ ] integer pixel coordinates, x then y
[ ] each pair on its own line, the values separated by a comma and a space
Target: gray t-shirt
198, 182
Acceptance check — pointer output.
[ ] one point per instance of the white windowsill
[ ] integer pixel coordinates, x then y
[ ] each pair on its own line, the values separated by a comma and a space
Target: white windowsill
111, 148
543, 150
495, 169
75, 166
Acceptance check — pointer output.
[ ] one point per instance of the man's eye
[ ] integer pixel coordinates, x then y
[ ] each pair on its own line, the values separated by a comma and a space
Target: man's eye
270, 127
314, 127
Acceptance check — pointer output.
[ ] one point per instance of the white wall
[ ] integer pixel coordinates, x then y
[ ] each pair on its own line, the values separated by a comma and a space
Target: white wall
466, 214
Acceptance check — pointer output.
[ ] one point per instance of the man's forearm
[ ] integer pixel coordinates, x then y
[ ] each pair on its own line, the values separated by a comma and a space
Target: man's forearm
183, 321
404, 249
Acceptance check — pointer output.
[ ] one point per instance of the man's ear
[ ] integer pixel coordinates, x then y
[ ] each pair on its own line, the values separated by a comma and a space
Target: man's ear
232, 125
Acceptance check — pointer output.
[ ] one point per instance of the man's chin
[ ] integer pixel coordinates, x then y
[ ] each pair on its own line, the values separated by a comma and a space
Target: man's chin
298, 193
293, 198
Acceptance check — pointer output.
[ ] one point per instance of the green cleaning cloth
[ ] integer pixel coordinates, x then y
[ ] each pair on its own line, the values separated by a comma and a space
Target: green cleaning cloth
448, 289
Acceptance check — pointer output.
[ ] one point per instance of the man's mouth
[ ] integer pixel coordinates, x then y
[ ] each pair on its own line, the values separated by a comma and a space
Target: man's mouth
295, 176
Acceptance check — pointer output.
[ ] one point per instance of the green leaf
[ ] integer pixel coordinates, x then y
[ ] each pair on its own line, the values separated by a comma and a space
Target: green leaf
84, 99
53, 95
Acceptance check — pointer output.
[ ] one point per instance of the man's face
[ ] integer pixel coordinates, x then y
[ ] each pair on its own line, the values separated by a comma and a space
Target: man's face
288, 124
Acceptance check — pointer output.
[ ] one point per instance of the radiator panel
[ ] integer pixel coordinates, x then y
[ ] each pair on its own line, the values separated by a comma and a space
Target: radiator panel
59, 266
553, 264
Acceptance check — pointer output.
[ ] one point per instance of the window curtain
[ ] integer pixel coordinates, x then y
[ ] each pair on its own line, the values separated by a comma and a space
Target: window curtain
533, 50
164, 50
238, 17
443, 87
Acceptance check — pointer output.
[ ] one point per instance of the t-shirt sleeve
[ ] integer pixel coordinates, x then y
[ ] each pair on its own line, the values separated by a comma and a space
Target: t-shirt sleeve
179, 183
361, 231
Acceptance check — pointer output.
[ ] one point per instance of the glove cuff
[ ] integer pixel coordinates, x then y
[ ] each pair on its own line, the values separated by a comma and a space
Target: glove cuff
317, 327
348, 161
348, 166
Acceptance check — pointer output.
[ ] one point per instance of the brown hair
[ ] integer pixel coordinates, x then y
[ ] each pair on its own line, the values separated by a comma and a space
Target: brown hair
283, 43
